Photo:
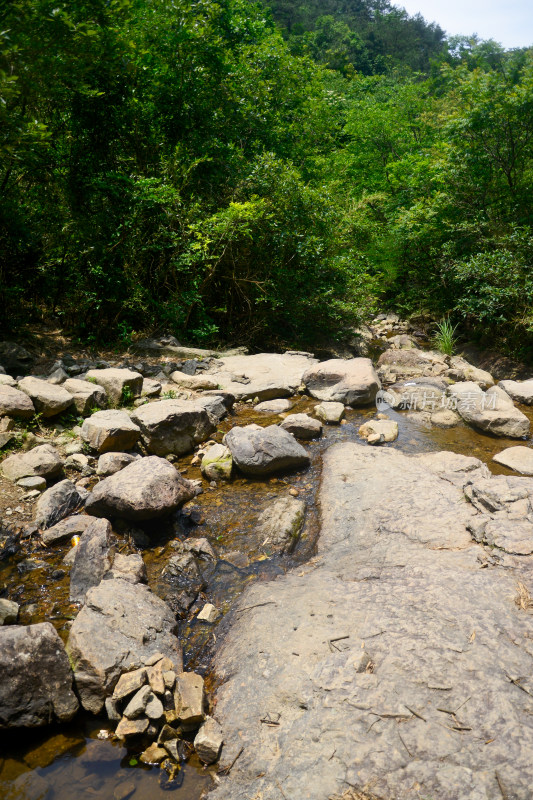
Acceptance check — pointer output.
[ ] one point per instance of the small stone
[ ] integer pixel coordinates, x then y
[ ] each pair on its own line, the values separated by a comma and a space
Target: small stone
128, 728
154, 659
208, 741
137, 705
9, 611
169, 678
112, 711
330, 413
154, 708
56, 503
128, 683
32, 483
156, 679
386, 430
167, 734
374, 438
189, 698
153, 754
294, 492
124, 790
208, 614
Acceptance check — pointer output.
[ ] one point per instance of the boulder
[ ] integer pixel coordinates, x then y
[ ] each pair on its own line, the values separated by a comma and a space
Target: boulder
66, 529
48, 399
401, 365
14, 358
56, 503
151, 388
208, 741
42, 461
519, 459
92, 559
492, 411
331, 413
32, 483
9, 611
419, 394
146, 489
262, 451
109, 463
110, 430
189, 699
217, 463
445, 418
264, 375
280, 524
194, 382
173, 426
353, 382
521, 391
36, 685
7, 380
120, 384
120, 626
461, 370
274, 406
14, 403
129, 568
302, 426
30, 786
87, 395
385, 429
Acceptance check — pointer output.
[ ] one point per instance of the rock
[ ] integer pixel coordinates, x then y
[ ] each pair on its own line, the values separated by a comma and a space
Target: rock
9, 611
208, 614
79, 462
120, 384
151, 388
330, 413
56, 503
48, 399
200, 548
262, 451
146, 489
402, 365
109, 463
461, 370
521, 391
110, 430
401, 342
352, 382
216, 405
120, 626
189, 698
518, 458
14, 358
7, 380
302, 426
128, 683
280, 524
14, 403
492, 411
92, 559
32, 484
130, 568
112, 710
156, 675
36, 685
217, 463
43, 461
264, 375
385, 429
274, 406
154, 708
419, 394
208, 741
87, 396
394, 555
66, 529
173, 426
130, 728
194, 382
137, 705
29, 786
153, 754
445, 418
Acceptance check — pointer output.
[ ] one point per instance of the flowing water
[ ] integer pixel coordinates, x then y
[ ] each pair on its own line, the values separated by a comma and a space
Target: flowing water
81, 760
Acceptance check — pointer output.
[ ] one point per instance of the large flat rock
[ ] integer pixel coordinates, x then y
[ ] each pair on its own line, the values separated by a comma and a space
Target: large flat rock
264, 375
352, 381
36, 682
397, 659
492, 411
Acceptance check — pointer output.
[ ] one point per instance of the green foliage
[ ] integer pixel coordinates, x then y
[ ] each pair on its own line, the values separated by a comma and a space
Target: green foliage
126, 397
444, 338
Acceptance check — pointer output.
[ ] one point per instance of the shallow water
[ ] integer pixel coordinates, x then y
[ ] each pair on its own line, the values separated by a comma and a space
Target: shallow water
79, 760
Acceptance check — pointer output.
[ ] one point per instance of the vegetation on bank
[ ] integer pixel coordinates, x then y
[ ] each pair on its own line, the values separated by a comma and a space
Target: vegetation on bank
229, 171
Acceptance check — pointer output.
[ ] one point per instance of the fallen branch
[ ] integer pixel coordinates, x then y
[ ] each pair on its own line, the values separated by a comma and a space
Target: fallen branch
227, 770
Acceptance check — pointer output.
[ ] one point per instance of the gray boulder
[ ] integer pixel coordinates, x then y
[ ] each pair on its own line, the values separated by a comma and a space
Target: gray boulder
9, 611
36, 685
117, 383
66, 529
492, 411
109, 463
110, 430
14, 403
47, 398
519, 459
86, 395
262, 451
56, 503
208, 741
521, 391
264, 375
280, 524
330, 412
461, 370
120, 626
302, 426
173, 426
400, 365
146, 489
129, 568
386, 430
92, 559
353, 382
217, 463
43, 461
274, 406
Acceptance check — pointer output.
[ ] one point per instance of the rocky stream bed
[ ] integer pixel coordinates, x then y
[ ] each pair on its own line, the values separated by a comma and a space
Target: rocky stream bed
266, 576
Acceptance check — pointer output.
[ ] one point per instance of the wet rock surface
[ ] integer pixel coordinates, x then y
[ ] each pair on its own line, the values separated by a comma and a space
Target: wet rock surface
377, 677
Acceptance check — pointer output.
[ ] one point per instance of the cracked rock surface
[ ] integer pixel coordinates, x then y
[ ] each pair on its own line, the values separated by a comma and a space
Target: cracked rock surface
398, 661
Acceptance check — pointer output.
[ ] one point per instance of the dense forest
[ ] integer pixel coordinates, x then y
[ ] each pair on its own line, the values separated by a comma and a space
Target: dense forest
260, 173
